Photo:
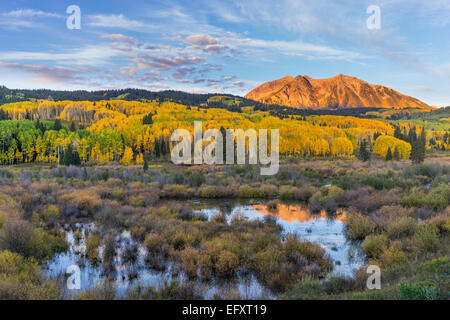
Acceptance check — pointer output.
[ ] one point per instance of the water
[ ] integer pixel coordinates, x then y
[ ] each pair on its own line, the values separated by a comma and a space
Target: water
328, 231
126, 276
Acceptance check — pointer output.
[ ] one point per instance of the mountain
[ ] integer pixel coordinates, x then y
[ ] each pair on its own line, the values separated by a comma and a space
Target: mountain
339, 91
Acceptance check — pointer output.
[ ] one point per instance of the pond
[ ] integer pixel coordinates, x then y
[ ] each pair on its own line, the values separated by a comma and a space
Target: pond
326, 230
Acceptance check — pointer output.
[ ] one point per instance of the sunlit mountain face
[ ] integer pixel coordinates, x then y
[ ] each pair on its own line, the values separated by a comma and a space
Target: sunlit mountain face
336, 92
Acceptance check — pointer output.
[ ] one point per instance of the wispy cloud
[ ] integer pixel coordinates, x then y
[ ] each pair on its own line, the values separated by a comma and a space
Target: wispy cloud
31, 13
91, 55
24, 18
118, 21
44, 73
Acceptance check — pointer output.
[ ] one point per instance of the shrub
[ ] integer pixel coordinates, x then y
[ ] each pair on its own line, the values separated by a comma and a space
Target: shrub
268, 191
227, 264
336, 285
392, 256
109, 252
288, 193
267, 261
334, 192
189, 261
441, 222
130, 253
20, 279
427, 237
247, 191
103, 291
359, 226
92, 244
305, 193
213, 192
44, 244
197, 179
15, 236
436, 198
400, 227
439, 267
177, 191
81, 203
308, 288
374, 245
417, 291
51, 215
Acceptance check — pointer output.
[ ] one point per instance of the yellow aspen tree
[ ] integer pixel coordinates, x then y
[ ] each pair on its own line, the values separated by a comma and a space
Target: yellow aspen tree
140, 159
127, 156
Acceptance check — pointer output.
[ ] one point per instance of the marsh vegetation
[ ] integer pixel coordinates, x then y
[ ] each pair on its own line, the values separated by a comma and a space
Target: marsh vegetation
221, 232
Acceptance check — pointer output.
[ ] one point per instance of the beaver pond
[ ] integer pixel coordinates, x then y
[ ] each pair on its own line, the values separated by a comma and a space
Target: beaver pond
326, 230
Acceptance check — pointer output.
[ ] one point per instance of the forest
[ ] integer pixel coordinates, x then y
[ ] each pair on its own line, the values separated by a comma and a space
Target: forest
131, 132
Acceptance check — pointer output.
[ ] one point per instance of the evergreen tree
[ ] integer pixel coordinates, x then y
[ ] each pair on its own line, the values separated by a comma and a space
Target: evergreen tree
145, 164
396, 154
412, 136
68, 156
412, 139
57, 125
76, 161
3, 115
148, 119
363, 153
398, 133
157, 149
376, 135
389, 155
73, 128
40, 126
421, 146
162, 146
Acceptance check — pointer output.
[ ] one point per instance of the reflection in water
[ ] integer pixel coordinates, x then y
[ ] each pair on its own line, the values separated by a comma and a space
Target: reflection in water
125, 276
326, 230
292, 213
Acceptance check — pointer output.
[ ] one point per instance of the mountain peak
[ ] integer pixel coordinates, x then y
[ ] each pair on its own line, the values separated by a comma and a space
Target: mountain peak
338, 91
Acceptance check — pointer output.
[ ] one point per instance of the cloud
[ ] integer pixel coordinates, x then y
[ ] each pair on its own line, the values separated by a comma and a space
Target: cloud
201, 40
115, 21
300, 48
119, 37
182, 72
44, 73
92, 54
31, 13
24, 18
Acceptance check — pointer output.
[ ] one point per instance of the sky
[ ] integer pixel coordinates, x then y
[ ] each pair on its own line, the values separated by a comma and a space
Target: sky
228, 46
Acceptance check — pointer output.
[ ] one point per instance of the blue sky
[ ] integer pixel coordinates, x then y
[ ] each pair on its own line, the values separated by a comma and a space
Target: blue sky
225, 46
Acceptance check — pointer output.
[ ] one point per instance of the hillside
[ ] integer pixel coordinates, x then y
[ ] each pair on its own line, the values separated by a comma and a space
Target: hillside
339, 91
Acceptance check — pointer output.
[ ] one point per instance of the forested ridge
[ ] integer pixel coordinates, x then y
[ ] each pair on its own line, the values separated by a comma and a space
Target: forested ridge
133, 131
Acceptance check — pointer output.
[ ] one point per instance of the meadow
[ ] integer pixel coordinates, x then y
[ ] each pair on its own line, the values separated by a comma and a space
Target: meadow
396, 212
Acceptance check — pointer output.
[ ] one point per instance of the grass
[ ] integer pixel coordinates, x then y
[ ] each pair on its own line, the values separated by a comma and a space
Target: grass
398, 211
